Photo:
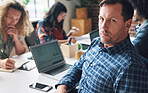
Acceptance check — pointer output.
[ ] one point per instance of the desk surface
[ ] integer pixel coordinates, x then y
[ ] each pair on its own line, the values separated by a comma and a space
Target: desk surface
19, 81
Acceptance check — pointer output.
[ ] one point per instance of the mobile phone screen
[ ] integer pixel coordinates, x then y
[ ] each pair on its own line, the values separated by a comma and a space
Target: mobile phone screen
41, 87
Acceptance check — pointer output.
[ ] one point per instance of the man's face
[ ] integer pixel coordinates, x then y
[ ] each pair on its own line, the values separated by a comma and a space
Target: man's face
12, 17
136, 18
112, 28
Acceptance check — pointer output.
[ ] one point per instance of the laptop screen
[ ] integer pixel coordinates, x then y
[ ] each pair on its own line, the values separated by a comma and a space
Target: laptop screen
93, 34
47, 55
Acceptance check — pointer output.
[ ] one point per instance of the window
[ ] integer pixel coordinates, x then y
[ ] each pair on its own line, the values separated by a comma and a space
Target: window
37, 8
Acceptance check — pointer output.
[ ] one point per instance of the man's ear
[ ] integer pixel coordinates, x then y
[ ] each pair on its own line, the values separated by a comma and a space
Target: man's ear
128, 24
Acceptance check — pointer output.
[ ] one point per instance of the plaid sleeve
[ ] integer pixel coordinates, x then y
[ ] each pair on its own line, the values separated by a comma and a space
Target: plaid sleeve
73, 75
133, 80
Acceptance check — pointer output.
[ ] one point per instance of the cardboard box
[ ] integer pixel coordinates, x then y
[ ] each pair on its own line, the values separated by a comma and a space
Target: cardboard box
69, 50
81, 13
84, 26
78, 54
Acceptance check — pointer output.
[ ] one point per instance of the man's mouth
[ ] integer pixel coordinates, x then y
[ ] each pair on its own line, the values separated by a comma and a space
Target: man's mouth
104, 34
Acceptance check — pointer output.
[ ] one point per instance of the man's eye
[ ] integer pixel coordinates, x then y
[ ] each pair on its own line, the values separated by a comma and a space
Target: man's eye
101, 18
112, 20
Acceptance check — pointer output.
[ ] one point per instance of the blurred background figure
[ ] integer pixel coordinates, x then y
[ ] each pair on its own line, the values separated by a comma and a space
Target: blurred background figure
141, 37
52, 26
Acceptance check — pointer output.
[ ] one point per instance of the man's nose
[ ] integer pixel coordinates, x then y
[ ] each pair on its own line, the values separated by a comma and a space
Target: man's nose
104, 25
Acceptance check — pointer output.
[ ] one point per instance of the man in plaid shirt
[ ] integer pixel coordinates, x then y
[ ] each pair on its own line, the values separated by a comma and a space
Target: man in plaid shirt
111, 64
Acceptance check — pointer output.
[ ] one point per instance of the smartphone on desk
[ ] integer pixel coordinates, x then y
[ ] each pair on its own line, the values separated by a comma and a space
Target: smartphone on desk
41, 87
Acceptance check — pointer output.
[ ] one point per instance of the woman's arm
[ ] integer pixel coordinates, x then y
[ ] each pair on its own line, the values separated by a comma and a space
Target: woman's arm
73, 31
19, 47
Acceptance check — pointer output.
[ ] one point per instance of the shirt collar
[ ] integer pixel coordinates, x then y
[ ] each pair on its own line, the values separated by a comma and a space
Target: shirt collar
116, 48
137, 27
144, 24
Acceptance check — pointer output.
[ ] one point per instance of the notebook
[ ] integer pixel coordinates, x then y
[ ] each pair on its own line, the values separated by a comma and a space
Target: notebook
49, 58
18, 64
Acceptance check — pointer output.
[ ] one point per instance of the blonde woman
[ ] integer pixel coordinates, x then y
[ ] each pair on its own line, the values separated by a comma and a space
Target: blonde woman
13, 25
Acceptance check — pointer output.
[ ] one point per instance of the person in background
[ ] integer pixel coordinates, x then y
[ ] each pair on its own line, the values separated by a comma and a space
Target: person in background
111, 64
141, 37
52, 26
13, 25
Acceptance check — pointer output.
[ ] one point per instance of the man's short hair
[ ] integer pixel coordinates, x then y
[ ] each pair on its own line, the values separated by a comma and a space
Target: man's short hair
127, 9
141, 6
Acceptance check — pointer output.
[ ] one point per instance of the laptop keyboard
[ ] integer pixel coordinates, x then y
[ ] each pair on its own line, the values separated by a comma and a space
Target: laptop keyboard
59, 69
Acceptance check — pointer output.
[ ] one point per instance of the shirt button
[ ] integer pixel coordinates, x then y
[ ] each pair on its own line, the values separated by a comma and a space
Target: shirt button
86, 77
81, 87
91, 64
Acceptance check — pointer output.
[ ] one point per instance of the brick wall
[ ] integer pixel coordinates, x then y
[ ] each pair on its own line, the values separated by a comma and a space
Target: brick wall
93, 12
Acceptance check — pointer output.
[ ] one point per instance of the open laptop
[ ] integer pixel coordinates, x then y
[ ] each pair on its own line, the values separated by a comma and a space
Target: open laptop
93, 34
49, 58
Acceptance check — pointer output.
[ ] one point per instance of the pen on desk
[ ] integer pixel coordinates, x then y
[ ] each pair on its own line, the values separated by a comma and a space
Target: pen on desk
4, 53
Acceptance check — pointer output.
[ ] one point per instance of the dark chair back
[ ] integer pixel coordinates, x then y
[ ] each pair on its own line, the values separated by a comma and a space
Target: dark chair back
30, 40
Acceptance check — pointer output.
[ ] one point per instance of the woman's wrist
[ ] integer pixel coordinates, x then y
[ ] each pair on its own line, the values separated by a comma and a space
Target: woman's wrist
69, 34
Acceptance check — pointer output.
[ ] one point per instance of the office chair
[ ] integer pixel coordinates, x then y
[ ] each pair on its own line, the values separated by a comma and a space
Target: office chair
30, 40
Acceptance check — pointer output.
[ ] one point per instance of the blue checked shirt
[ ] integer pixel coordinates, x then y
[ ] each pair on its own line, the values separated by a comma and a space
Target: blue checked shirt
117, 69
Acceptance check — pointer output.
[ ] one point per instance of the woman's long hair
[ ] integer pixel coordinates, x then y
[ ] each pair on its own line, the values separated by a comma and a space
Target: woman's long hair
52, 14
22, 26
